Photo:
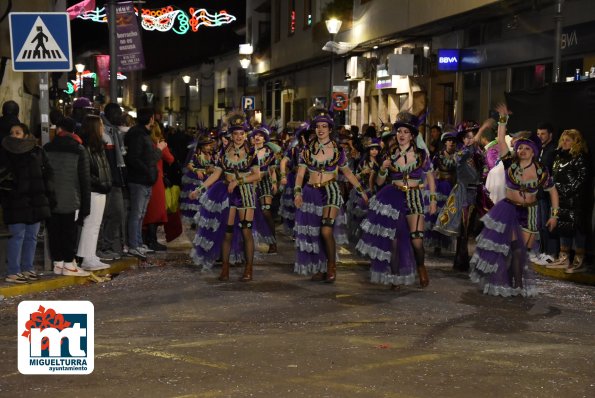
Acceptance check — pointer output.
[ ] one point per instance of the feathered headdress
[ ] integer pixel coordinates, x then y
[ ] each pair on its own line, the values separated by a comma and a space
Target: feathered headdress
320, 114
236, 120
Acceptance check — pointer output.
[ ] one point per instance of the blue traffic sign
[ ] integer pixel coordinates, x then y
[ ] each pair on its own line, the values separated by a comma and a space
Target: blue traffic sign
248, 103
40, 42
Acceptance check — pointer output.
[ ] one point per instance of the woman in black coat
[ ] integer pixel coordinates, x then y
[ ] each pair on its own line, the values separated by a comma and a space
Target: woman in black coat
570, 176
27, 193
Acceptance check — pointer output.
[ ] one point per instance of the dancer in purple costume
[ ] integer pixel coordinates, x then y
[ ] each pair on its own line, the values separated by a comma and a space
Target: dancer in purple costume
500, 263
445, 173
394, 228
288, 170
465, 200
319, 201
198, 170
264, 224
366, 170
227, 206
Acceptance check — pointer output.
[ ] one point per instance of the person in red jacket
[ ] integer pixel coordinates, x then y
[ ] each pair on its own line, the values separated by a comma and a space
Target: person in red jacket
156, 209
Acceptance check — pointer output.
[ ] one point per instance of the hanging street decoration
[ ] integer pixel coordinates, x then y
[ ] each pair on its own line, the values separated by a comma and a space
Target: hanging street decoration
75, 85
169, 18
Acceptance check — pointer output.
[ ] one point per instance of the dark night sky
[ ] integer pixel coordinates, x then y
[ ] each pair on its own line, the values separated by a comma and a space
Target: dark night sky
167, 50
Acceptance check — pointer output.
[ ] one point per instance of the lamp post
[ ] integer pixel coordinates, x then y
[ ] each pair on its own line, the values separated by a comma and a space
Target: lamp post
186, 79
80, 68
144, 89
332, 25
246, 51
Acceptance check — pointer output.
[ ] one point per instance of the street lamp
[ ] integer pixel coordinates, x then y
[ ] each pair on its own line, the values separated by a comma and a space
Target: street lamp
80, 68
186, 79
245, 62
246, 51
333, 26
144, 89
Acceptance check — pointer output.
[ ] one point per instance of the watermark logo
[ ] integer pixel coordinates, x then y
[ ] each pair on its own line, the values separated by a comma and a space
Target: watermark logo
56, 337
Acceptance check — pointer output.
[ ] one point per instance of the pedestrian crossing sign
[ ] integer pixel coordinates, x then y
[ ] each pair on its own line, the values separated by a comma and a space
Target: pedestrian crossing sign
40, 42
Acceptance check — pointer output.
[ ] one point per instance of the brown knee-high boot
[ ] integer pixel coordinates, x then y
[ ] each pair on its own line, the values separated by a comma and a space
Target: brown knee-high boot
330, 249
423, 276
224, 276
419, 253
248, 250
225, 249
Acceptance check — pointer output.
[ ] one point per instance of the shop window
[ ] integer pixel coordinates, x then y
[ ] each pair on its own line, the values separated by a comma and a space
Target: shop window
272, 104
268, 104
498, 86
530, 76
300, 108
448, 101
277, 32
568, 68
471, 96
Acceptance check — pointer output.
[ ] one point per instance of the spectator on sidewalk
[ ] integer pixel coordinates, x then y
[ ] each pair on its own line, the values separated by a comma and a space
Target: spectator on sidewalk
549, 243
101, 183
81, 107
111, 238
72, 183
141, 162
156, 209
570, 172
9, 118
26, 199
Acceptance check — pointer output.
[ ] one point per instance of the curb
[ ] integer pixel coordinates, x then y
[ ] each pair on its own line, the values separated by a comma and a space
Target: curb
49, 281
584, 278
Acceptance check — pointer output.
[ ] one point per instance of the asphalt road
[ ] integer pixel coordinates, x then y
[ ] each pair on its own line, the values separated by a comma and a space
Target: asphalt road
171, 331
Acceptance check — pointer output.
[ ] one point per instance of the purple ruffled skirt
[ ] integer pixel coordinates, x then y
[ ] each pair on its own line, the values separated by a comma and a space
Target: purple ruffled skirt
261, 231
189, 207
356, 212
211, 221
386, 241
287, 206
310, 254
490, 264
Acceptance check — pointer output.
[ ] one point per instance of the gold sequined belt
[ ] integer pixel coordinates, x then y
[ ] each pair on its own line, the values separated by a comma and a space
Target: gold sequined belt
520, 204
321, 184
406, 188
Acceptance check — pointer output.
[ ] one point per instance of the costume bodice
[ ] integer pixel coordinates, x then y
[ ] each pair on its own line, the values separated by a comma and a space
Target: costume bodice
267, 160
413, 170
230, 164
514, 172
330, 165
445, 163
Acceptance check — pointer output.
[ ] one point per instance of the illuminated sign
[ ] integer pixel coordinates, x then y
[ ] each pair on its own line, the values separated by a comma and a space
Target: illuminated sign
459, 59
169, 18
75, 85
448, 59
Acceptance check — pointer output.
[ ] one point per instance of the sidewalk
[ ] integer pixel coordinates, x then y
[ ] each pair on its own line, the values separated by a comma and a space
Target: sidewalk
49, 281
584, 278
